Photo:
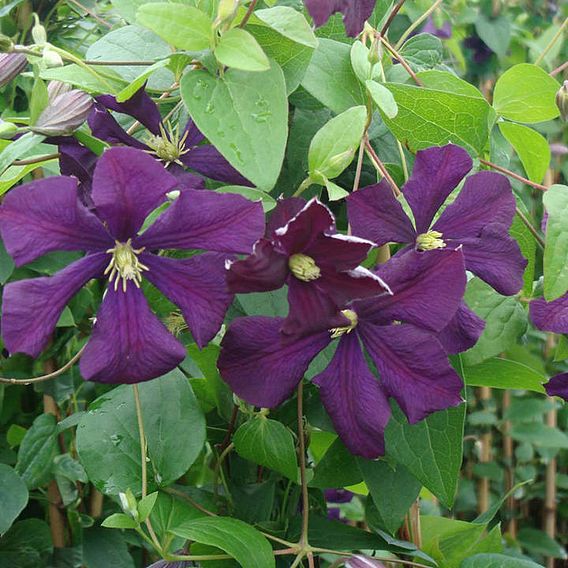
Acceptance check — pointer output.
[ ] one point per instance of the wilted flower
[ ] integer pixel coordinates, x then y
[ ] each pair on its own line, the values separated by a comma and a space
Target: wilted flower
562, 100
319, 265
355, 12
11, 65
129, 344
263, 366
170, 146
478, 219
65, 112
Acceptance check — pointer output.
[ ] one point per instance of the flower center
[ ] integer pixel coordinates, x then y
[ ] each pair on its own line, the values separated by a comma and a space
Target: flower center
124, 265
339, 331
304, 267
168, 146
430, 241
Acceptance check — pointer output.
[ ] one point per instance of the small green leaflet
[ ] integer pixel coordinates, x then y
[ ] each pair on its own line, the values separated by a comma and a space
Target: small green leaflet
238, 49
556, 250
383, 98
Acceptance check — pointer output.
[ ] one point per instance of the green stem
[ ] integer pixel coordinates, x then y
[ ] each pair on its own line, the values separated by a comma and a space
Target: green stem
531, 228
392, 15
415, 24
303, 186
219, 471
513, 175
551, 43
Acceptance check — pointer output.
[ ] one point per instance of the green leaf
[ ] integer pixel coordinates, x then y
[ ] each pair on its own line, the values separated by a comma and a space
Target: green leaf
497, 561
139, 81
495, 33
39, 100
273, 304
445, 81
268, 443
527, 244
104, 548
268, 202
500, 373
423, 51
146, 505
17, 149
330, 77
531, 147
431, 449
170, 512
538, 542
337, 468
333, 147
360, 61
108, 442
182, 26
289, 23
539, 434
26, 545
245, 116
383, 98
37, 450
556, 250
393, 489
244, 543
428, 117
119, 521
238, 49
335, 192
526, 93
103, 80
505, 321
486, 517
13, 496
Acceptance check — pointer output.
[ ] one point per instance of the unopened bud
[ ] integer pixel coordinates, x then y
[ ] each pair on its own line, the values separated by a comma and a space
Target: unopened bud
7, 130
6, 44
336, 164
51, 58
562, 101
375, 52
64, 114
11, 64
360, 561
226, 10
56, 88
39, 34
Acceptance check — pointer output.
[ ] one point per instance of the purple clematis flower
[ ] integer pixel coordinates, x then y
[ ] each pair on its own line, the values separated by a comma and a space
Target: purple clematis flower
175, 149
129, 344
397, 332
355, 12
478, 220
444, 32
553, 317
319, 265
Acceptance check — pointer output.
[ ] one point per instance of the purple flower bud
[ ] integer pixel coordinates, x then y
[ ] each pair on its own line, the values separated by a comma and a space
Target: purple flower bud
64, 114
11, 64
562, 101
360, 561
168, 564
56, 88
558, 149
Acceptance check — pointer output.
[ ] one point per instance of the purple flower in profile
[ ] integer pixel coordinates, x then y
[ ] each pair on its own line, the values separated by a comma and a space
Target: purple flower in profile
362, 561
174, 148
397, 332
319, 265
481, 52
444, 32
478, 220
129, 344
355, 12
11, 65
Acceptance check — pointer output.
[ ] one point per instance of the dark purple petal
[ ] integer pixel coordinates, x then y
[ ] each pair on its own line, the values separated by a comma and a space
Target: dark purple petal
413, 367
104, 126
45, 216
338, 252
139, 106
485, 198
129, 343
77, 160
437, 172
209, 162
31, 308
558, 386
194, 135
197, 286
264, 270
496, 258
376, 214
127, 185
344, 287
338, 495
355, 12
303, 229
427, 288
186, 180
360, 561
286, 209
463, 331
550, 316
445, 32
355, 400
220, 222
262, 366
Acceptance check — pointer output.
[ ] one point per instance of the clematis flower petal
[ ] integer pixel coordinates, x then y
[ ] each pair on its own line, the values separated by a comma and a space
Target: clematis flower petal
437, 172
558, 386
265, 269
355, 12
550, 316
355, 400
343, 287
262, 366
286, 209
338, 252
302, 230
77, 160
413, 367
197, 286
427, 288
104, 126
208, 161
45, 216
129, 343
485, 198
193, 136
31, 308
220, 222
463, 331
376, 214
139, 106
496, 258
127, 186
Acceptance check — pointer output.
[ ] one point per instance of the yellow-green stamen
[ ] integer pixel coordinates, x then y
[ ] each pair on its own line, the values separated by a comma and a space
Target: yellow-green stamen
339, 331
168, 146
304, 267
430, 241
124, 265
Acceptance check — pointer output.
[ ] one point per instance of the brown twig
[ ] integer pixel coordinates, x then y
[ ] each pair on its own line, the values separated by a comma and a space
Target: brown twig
513, 175
509, 456
381, 167
559, 69
37, 160
485, 457
91, 13
531, 228
227, 440
401, 60
392, 16
250, 10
